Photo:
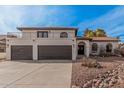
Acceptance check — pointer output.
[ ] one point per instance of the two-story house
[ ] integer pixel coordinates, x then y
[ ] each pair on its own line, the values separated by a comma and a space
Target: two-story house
40, 43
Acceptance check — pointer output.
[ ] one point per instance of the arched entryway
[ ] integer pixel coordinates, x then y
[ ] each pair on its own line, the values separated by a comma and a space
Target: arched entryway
81, 48
109, 47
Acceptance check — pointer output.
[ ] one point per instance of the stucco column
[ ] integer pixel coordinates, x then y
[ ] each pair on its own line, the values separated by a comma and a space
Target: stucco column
35, 51
114, 47
74, 52
87, 49
8, 50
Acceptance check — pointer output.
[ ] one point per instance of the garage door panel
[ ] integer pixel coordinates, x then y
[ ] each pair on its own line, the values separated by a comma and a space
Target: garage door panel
21, 52
54, 52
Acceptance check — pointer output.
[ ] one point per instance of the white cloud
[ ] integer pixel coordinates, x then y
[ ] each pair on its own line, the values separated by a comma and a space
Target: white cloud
13, 16
112, 22
7, 18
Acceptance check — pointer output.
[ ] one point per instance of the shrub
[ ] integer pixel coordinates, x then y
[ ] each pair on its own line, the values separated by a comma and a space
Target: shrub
88, 62
122, 52
102, 52
119, 52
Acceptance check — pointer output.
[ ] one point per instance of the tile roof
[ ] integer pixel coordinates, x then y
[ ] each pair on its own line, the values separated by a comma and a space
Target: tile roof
83, 38
105, 39
99, 39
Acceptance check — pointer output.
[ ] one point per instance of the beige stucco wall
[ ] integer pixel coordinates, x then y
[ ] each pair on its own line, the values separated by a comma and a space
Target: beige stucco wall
30, 38
88, 47
102, 45
52, 34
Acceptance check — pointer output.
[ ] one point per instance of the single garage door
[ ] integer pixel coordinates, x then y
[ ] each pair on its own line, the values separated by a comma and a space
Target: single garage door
21, 52
54, 52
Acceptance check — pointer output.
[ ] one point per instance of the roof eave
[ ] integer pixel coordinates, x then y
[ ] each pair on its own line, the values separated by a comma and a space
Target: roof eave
47, 28
105, 40
83, 38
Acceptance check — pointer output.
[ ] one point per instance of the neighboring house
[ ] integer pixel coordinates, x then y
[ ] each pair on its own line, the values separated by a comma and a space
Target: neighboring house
2, 43
42, 43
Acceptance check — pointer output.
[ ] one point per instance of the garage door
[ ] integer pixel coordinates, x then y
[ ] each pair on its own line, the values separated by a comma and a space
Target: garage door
54, 52
21, 52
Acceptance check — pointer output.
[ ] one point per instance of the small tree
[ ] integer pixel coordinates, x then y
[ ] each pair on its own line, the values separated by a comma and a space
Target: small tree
100, 33
97, 33
89, 33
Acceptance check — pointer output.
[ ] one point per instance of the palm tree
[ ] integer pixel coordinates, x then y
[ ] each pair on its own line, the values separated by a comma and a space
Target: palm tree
100, 33
89, 33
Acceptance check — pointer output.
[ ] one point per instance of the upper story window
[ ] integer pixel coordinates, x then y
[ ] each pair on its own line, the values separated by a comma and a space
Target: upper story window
42, 34
94, 47
63, 35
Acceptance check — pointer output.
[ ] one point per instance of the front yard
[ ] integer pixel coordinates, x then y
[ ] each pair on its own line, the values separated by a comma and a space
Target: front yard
82, 74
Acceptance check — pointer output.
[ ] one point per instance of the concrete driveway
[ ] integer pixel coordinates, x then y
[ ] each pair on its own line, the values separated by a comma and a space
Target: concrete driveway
27, 74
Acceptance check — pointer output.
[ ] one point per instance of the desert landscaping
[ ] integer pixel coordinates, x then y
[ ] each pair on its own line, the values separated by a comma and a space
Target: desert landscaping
109, 74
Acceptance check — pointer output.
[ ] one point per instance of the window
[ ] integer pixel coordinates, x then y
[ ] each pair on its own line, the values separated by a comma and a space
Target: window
42, 34
109, 47
94, 47
63, 35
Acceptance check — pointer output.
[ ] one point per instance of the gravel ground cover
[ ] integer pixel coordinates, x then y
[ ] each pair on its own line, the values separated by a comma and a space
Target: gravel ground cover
111, 75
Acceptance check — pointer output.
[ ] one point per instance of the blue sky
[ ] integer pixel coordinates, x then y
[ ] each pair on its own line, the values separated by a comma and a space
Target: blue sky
110, 18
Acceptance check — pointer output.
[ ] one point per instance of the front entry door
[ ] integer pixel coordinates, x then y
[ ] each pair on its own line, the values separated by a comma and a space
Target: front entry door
80, 49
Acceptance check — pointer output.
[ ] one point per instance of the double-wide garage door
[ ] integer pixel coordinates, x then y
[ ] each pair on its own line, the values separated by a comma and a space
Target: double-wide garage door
44, 52
21, 52
54, 52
